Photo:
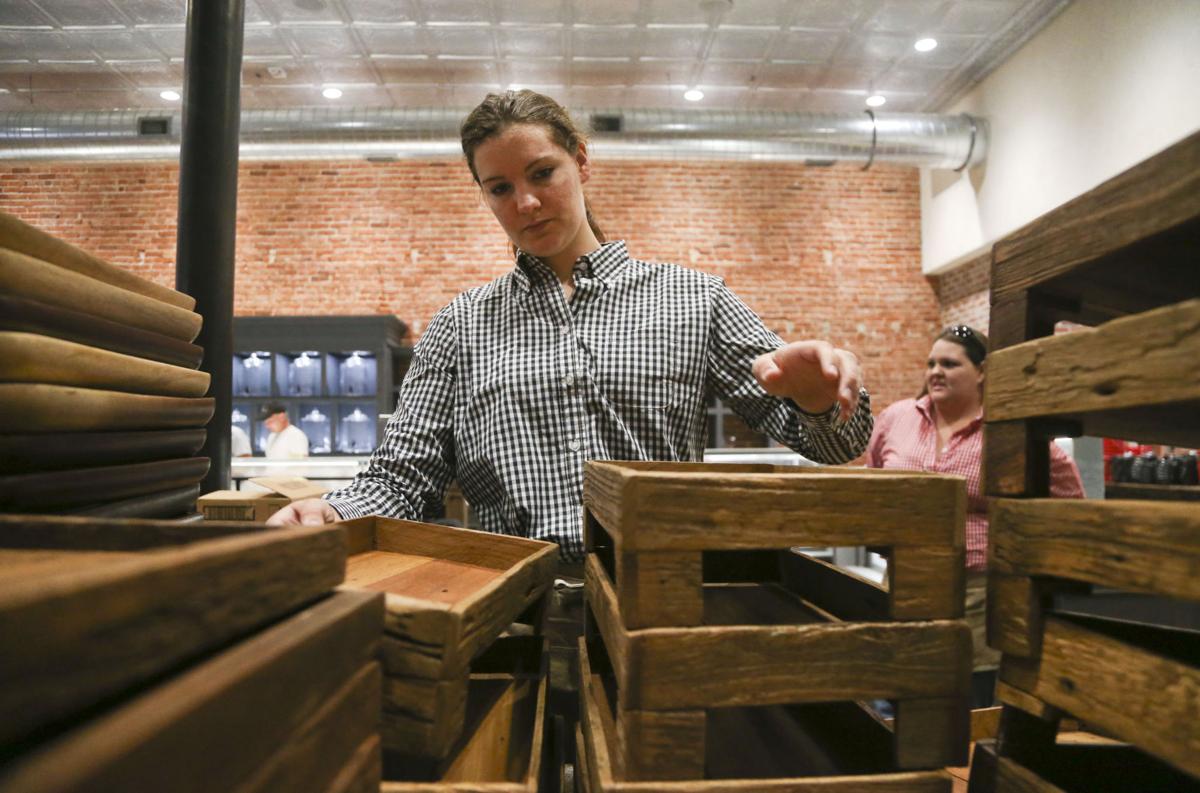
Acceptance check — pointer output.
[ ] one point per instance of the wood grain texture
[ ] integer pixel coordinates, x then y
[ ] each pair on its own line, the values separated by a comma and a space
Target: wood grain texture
423, 717
927, 582
597, 741
1144, 492
74, 324
37, 408
163, 504
663, 744
17, 235
932, 733
314, 756
1135, 546
1016, 459
85, 633
240, 706
706, 507
33, 279
30, 358
1134, 694
659, 589
362, 773
62, 490
26, 453
671, 668
1012, 777
1146, 359
1158, 194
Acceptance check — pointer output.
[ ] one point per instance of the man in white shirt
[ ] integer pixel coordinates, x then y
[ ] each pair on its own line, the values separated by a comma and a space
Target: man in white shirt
239, 442
286, 442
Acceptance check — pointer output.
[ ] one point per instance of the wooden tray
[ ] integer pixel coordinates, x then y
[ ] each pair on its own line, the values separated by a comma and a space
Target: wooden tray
235, 721
32, 358
91, 608
25, 453
657, 523
31, 316
61, 490
164, 504
450, 593
762, 750
19, 236
500, 748
37, 408
762, 645
33, 279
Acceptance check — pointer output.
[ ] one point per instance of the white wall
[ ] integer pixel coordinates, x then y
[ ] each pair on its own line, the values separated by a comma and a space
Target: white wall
1104, 85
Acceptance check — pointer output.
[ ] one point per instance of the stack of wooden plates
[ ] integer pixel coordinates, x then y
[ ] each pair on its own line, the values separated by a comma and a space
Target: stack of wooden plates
102, 409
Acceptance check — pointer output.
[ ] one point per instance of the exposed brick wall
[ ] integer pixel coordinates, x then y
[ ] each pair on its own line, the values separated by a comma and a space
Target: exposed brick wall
963, 293
819, 252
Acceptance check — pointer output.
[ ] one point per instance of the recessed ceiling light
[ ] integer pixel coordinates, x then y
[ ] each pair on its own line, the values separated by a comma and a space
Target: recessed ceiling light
332, 93
925, 45
169, 95
693, 95
876, 100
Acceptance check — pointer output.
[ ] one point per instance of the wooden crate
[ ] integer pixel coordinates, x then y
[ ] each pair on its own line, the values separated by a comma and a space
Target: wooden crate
91, 608
806, 749
449, 594
501, 747
248, 718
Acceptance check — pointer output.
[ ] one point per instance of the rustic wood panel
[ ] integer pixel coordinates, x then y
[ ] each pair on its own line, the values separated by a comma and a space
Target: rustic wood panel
932, 733
62, 490
30, 358
168, 738
1145, 492
423, 717
78, 636
1132, 693
1021, 316
597, 763
23, 453
659, 589
163, 504
26, 407
1011, 777
1082, 763
1016, 459
72, 324
314, 756
664, 744
927, 582
362, 773
1146, 359
1155, 551
1155, 196
709, 508
671, 668
32, 279
17, 235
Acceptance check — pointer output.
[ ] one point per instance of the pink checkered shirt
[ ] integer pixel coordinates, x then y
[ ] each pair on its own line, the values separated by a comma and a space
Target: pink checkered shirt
905, 436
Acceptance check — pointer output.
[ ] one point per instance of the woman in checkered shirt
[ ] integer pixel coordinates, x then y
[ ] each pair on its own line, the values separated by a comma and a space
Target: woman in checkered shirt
942, 431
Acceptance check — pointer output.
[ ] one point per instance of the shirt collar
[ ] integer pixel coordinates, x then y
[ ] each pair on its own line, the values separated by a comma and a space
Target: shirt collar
603, 264
925, 408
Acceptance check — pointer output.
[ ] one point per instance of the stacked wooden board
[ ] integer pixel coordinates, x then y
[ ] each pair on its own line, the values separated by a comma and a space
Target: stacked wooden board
450, 594
1122, 258
102, 409
145, 656
717, 657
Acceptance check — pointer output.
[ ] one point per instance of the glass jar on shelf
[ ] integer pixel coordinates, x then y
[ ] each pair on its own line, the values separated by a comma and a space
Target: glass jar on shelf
299, 374
356, 429
314, 422
252, 374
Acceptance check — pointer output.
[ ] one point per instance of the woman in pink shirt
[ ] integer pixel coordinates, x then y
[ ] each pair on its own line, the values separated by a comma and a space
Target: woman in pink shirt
942, 431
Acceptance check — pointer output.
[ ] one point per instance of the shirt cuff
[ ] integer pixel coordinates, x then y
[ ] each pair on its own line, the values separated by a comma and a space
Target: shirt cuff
345, 509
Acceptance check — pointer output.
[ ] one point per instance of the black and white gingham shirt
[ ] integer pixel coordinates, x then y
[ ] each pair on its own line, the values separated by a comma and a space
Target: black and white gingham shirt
512, 388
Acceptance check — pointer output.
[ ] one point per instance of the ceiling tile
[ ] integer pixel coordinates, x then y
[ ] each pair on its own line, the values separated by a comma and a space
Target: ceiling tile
42, 45
462, 41
759, 12
419, 95
278, 73
382, 11
609, 12
831, 14
678, 12
979, 17
470, 71
21, 13
874, 48
455, 10
293, 11
660, 43
152, 74
539, 12
605, 42
848, 78
801, 45
526, 72
75, 78
602, 73
663, 72
91, 100
530, 42
124, 45
836, 101
341, 70
950, 51
729, 73
156, 12
740, 44
789, 75
610, 96
410, 71
906, 78
393, 41
905, 16
170, 40
316, 42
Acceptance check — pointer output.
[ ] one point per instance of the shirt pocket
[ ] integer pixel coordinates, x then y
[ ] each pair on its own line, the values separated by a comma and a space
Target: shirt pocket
647, 370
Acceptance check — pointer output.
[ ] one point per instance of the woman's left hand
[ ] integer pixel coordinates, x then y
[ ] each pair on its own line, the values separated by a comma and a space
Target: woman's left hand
813, 374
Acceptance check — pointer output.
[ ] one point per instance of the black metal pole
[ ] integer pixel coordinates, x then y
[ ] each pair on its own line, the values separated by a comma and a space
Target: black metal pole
208, 162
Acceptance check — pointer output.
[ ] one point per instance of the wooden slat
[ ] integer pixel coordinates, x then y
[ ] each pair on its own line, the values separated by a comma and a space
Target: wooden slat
1016, 459
837, 591
1157, 195
927, 582
18, 235
1129, 692
1136, 546
664, 744
1140, 491
1021, 316
314, 756
362, 773
1146, 359
932, 733
180, 735
468, 546
423, 717
708, 508
76, 637
24, 453
61, 490
37, 408
75, 324
1083, 763
30, 358
160, 505
671, 668
33, 279
1011, 777
659, 589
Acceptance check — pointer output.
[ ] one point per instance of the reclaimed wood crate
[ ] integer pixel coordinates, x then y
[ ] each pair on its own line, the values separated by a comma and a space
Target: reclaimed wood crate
92, 608
701, 604
821, 748
287, 708
450, 593
500, 749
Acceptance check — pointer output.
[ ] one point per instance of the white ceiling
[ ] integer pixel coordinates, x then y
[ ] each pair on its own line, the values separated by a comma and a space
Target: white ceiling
801, 55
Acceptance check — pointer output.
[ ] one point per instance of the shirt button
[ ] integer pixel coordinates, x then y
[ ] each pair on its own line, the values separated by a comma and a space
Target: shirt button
569, 380
565, 329
573, 444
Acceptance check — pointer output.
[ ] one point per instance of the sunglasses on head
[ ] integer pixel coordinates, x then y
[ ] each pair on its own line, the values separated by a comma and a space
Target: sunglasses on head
967, 334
